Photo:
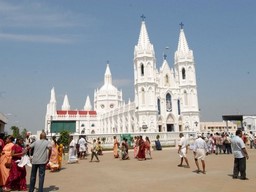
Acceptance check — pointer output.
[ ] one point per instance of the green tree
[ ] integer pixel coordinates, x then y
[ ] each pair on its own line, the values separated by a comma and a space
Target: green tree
24, 133
15, 131
64, 138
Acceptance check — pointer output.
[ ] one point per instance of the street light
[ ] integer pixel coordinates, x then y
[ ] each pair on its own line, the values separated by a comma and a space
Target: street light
50, 125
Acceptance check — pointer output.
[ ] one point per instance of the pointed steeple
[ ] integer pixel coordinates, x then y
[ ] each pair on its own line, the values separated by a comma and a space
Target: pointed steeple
65, 105
183, 51
53, 97
144, 45
108, 76
51, 106
87, 106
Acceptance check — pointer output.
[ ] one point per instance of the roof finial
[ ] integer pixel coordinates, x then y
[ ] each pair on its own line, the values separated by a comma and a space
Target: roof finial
143, 17
165, 55
181, 25
107, 61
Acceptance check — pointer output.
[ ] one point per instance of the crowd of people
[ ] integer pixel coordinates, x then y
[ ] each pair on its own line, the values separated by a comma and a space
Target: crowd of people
17, 153
217, 144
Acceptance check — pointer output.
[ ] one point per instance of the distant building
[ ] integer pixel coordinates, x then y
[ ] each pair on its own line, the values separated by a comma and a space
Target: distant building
213, 127
165, 99
249, 123
3, 121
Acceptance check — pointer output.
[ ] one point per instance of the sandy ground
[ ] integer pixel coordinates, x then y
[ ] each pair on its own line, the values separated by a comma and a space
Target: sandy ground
159, 174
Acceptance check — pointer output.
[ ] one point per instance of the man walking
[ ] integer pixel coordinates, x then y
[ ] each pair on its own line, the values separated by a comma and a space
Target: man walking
41, 156
183, 150
200, 152
94, 152
240, 155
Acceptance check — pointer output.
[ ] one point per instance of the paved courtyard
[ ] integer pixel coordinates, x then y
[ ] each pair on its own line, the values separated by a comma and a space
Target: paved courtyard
159, 174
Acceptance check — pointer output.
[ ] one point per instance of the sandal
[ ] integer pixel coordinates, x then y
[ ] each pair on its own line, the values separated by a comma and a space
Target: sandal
5, 189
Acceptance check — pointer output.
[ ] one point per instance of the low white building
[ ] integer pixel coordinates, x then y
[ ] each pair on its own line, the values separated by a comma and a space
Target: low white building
3, 121
222, 126
249, 123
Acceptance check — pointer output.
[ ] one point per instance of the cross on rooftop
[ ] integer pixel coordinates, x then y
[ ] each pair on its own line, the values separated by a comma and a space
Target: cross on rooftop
181, 25
143, 17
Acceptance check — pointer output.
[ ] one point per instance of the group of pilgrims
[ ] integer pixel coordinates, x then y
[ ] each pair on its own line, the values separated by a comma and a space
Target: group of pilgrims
15, 155
82, 148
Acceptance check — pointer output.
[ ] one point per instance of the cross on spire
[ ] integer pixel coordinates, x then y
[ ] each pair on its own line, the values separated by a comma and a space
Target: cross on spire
143, 17
181, 25
165, 56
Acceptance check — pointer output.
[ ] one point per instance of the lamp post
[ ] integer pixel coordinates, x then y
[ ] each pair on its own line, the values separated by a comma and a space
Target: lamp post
51, 125
187, 128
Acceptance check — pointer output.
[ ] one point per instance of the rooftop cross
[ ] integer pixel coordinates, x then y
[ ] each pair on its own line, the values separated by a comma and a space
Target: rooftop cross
143, 17
181, 25
165, 56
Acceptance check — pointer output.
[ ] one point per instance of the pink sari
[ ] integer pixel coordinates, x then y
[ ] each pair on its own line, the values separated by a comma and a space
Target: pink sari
6, 156
17, 175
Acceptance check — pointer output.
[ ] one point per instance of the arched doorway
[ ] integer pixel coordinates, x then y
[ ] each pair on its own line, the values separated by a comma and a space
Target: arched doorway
170, 123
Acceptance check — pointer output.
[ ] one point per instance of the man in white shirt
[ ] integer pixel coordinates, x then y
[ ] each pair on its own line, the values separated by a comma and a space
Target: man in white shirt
200, 152
240, 155
251, 138
183, 150
82, 147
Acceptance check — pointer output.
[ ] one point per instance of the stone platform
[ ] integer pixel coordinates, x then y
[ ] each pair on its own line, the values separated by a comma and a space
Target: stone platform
160, 174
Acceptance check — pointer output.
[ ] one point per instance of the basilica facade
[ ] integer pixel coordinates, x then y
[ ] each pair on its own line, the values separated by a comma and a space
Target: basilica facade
165, 99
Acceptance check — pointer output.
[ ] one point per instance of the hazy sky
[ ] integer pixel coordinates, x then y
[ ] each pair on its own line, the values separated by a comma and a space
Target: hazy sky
66, 44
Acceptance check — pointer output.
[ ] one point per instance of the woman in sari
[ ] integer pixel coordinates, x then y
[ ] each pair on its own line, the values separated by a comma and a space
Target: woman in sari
17, 175
148, 148
4, 158
141, 152
53, 164
60, 154
115, 148
136, 146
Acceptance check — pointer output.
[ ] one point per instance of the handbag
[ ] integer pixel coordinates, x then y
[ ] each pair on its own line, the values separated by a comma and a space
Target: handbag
8, 165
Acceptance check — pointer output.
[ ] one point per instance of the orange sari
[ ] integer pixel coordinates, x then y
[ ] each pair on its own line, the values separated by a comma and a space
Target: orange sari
60, 154
54, 161
6, 156
115, 148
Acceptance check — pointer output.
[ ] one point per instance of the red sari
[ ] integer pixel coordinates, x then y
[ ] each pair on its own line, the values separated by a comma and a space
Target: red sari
17, 175
141, 152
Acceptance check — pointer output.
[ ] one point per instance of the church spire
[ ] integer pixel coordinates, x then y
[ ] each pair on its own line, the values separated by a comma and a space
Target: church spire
65, 105
183, 51
144, 45
183, 44
87, 106
108, 76
53, 97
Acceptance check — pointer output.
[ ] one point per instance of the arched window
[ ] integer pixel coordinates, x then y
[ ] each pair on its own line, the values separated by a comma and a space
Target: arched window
183, 73
168, 102
142, 69
178, 107
166, 79
158, 106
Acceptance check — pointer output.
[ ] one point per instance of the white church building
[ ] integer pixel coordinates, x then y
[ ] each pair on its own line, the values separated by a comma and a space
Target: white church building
165, 99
